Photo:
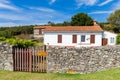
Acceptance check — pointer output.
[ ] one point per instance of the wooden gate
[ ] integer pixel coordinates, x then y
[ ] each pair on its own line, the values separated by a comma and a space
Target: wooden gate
29, 60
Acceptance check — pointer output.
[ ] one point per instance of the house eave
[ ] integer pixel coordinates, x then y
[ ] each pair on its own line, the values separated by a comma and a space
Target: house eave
73, 31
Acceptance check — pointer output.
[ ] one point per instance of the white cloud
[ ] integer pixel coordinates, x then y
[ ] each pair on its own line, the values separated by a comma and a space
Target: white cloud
8, 24
101, 12
5, 4
105, 2
116, 5
85, 2
52, 1
42, 9
112, 8
33, 15
12, 16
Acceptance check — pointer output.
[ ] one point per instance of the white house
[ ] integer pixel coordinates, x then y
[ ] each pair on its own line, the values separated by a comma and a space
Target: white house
77, 36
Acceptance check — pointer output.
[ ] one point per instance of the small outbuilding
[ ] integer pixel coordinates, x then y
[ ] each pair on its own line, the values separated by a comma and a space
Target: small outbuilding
109, 38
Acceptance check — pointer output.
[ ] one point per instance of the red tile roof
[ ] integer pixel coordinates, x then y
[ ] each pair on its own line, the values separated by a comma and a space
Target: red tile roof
71, 28
41, 27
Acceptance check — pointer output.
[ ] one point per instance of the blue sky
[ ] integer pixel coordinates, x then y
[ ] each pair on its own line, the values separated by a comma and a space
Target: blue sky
31, 12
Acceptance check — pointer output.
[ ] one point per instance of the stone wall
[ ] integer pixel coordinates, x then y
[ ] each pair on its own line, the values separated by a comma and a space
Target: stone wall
6, 57
82, 60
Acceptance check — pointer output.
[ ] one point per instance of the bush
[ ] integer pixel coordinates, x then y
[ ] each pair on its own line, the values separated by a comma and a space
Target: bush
2, 39
118, 39
18, 42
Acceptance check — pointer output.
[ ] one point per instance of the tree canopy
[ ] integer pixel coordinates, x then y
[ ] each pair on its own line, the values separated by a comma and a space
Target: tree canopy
114, 20
81, 19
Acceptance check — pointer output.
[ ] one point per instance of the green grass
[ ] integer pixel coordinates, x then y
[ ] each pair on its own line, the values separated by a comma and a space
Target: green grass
113, 74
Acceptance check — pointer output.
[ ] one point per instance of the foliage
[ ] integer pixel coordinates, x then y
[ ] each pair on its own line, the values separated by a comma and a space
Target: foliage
21, 42
18, 42
51, 23
2, 39
5, 34
106, 26
113, 74
81, 19
13, 31
65, 23
114, 20
118, 39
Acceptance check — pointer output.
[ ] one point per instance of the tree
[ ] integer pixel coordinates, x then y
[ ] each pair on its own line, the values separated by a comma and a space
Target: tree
51, 23
65, 23
114, 20
106, 26
81, 19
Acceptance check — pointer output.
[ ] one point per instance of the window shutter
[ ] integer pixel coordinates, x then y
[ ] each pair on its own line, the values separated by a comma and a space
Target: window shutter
74, 39
59, 38
92, 39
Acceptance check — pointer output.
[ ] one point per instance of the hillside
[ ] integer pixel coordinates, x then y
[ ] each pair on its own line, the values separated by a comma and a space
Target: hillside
14, 31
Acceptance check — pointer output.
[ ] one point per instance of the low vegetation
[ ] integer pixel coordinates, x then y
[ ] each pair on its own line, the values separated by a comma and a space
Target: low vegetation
118, 39
113, 74
18, 42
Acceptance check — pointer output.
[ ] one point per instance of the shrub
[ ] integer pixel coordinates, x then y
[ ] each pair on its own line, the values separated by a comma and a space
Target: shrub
18, 42
21, 42
2, 39
118, 39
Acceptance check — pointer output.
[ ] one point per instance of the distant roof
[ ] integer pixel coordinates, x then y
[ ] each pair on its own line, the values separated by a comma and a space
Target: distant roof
71, 28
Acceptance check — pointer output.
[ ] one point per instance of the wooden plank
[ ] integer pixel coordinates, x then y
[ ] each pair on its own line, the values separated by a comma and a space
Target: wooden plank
39, 63
43, 64
33, 60
30, 60
15, 59
20, 59
36, 62
46, 68
27, 55
22, 62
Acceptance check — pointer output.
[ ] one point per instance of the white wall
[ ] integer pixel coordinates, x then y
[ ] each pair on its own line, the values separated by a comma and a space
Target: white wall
51, 39
110, 35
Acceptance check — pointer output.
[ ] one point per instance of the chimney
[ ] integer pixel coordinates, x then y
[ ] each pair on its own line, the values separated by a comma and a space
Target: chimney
95, 23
